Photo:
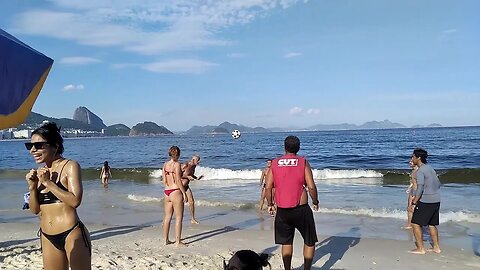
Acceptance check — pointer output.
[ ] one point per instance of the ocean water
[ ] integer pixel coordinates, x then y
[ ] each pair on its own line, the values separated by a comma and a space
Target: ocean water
361, 178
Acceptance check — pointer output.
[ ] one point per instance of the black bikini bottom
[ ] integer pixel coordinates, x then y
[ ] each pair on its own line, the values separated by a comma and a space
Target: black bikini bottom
58, 240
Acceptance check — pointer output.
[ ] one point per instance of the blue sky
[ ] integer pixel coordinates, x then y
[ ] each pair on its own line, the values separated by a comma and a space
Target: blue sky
256, 62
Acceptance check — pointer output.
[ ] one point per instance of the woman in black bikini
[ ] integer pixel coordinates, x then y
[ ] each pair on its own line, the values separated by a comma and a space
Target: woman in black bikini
55, 193
105, 174
175, 196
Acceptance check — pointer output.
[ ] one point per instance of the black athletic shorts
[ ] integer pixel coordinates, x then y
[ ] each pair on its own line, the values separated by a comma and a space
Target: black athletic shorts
426, 214
289, 219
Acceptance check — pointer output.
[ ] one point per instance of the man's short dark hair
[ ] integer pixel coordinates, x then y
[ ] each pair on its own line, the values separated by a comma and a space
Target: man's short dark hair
421, 153
292, 144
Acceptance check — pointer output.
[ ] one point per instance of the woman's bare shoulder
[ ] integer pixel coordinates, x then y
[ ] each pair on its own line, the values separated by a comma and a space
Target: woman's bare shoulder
72, 164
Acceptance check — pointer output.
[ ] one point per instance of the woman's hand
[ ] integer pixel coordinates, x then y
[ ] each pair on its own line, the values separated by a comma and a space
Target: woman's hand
43, 175
185, 198
32, 179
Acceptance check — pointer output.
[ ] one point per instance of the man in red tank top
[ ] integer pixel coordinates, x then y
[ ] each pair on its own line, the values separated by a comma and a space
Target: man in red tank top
289, 175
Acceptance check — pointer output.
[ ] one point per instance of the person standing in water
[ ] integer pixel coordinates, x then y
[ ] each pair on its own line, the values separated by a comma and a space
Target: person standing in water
105, 174
263, 182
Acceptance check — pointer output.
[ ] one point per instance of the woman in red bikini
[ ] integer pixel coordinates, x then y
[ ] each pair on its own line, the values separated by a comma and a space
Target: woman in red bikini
55, 193
175, 196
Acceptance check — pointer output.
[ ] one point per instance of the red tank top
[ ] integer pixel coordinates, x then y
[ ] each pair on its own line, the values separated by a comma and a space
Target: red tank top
288, 179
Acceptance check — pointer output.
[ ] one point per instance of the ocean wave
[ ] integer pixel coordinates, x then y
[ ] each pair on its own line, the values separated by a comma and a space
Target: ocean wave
450, 216
254, 174
370, 212
362, 176
326, 174
457, 216
225, 204
149, 199
219, 174
141, 198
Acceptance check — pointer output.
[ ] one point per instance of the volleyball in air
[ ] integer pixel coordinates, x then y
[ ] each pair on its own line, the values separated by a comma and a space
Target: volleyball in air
236, 134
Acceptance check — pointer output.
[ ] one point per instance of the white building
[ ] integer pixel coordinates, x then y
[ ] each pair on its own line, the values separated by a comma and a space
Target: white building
7, 134
22, 134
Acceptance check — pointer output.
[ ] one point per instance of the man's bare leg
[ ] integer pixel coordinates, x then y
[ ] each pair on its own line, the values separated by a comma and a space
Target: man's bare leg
287, 252
418, 233
434, 235
262, 199
308, 253
191, 206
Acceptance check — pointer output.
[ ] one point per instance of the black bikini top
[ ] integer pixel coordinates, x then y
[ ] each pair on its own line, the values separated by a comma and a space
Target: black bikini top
49, 197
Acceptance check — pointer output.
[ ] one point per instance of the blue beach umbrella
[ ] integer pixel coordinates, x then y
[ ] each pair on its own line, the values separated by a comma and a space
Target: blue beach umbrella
23, 71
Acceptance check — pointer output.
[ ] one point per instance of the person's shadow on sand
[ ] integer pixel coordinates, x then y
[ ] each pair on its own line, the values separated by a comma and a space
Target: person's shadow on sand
476, 244
115, 230
226, 229
336, 246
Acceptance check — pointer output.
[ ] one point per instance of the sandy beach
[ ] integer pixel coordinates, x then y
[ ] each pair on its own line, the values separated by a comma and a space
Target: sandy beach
362, 209
141, 247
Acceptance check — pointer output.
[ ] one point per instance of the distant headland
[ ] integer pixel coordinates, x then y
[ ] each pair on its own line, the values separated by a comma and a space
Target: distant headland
85, 123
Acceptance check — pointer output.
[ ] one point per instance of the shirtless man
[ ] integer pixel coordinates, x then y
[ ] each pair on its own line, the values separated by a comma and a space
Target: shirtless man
263, 182
188, 170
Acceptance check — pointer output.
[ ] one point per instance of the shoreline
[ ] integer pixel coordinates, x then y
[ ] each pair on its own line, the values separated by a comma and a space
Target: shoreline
140, 247
183, 133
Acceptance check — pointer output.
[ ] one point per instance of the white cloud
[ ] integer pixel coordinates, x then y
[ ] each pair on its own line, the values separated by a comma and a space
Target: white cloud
295, 110
445, 34
72, 87
79, 60
185, 66
449, 31
191, 66
292, 54
144, 27
300, 111
123, 65
313, 111
236, 55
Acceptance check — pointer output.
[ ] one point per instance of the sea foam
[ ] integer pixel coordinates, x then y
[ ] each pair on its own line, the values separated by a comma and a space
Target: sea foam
228, 174
457, 216
140, 198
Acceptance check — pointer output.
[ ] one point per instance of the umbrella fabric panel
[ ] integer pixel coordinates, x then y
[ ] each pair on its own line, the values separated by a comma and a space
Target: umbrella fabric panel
21, 68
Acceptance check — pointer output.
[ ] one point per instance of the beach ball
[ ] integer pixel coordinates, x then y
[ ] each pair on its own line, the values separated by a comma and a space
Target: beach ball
236, 134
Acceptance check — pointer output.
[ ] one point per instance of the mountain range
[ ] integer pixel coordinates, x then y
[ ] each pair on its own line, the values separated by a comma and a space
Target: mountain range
225, 127
84, 119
